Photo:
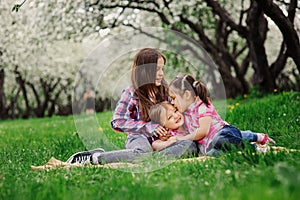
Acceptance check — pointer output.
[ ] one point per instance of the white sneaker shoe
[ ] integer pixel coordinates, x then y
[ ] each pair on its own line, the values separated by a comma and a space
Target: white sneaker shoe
84, 157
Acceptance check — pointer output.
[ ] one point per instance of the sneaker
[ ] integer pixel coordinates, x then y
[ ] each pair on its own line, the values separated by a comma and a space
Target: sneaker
262, 148
84, 157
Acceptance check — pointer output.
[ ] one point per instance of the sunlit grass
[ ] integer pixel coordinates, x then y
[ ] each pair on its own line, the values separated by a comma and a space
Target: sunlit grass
234, 176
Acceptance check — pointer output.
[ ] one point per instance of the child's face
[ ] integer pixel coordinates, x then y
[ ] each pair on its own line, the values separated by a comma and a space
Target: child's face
159, 71
173, 119
180, 102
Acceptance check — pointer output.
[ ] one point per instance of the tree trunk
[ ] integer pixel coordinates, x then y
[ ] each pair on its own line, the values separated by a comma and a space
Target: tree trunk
11, 106
228, 57
3, 108
233, 86
256, 38
22, 85
54, 101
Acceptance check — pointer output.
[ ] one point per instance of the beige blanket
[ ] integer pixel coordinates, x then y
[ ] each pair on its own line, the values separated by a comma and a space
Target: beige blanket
53, 163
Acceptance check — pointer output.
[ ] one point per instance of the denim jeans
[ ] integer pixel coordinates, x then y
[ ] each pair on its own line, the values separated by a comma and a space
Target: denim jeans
229, 136
138, 146
249, 136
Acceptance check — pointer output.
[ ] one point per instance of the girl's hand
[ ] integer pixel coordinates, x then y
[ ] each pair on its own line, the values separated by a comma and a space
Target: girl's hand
160, 131
165, 137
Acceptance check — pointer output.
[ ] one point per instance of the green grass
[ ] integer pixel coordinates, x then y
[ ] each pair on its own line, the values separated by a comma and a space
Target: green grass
234, 176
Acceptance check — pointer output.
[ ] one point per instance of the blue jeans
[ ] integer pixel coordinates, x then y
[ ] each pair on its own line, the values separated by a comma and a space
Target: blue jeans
249, 136
227, 137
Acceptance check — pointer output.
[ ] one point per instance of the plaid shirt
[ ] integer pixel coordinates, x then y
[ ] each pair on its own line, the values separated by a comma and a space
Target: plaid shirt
195, 112
127, 117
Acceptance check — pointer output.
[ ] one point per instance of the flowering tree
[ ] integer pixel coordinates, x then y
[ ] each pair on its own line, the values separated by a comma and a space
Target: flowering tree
234, 34
40, 55
40, 47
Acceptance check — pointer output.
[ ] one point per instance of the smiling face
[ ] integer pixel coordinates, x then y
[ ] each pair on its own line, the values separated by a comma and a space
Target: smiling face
166, 115
172, 118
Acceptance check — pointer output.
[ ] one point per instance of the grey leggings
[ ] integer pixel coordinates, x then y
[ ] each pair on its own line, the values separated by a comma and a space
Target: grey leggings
138, 146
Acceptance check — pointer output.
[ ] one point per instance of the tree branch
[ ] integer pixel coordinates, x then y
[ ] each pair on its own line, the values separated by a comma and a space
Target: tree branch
224, 15
36, 95
286, 27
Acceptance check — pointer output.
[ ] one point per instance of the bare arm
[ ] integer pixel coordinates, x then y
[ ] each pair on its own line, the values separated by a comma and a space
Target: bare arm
158, 145
200, 132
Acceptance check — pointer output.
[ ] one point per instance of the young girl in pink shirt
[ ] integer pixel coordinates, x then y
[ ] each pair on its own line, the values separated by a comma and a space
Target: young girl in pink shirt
202, 121
170, 118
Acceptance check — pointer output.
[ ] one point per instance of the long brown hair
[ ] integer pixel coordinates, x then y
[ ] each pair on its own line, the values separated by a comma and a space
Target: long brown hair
187, 82
143, 77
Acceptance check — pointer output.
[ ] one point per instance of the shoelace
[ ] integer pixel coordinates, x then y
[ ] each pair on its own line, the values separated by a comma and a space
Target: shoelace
83, 158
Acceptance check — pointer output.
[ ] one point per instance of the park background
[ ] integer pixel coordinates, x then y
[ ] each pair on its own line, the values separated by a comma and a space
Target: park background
255, 45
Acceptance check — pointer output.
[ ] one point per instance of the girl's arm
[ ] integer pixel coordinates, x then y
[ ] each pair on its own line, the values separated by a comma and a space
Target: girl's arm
158, 145
200, 132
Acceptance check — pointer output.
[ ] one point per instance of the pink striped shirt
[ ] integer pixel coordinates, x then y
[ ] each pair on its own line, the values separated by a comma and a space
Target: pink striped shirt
178, 133
197, 110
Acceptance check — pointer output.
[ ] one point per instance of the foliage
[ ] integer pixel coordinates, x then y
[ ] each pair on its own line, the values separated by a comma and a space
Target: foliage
232, 32
42, 47
235, 176
40, 54
16, 7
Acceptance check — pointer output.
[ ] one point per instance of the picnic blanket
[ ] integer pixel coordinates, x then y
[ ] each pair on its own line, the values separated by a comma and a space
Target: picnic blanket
54, 163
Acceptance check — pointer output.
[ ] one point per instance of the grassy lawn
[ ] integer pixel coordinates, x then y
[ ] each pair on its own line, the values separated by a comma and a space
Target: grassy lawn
234, 176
